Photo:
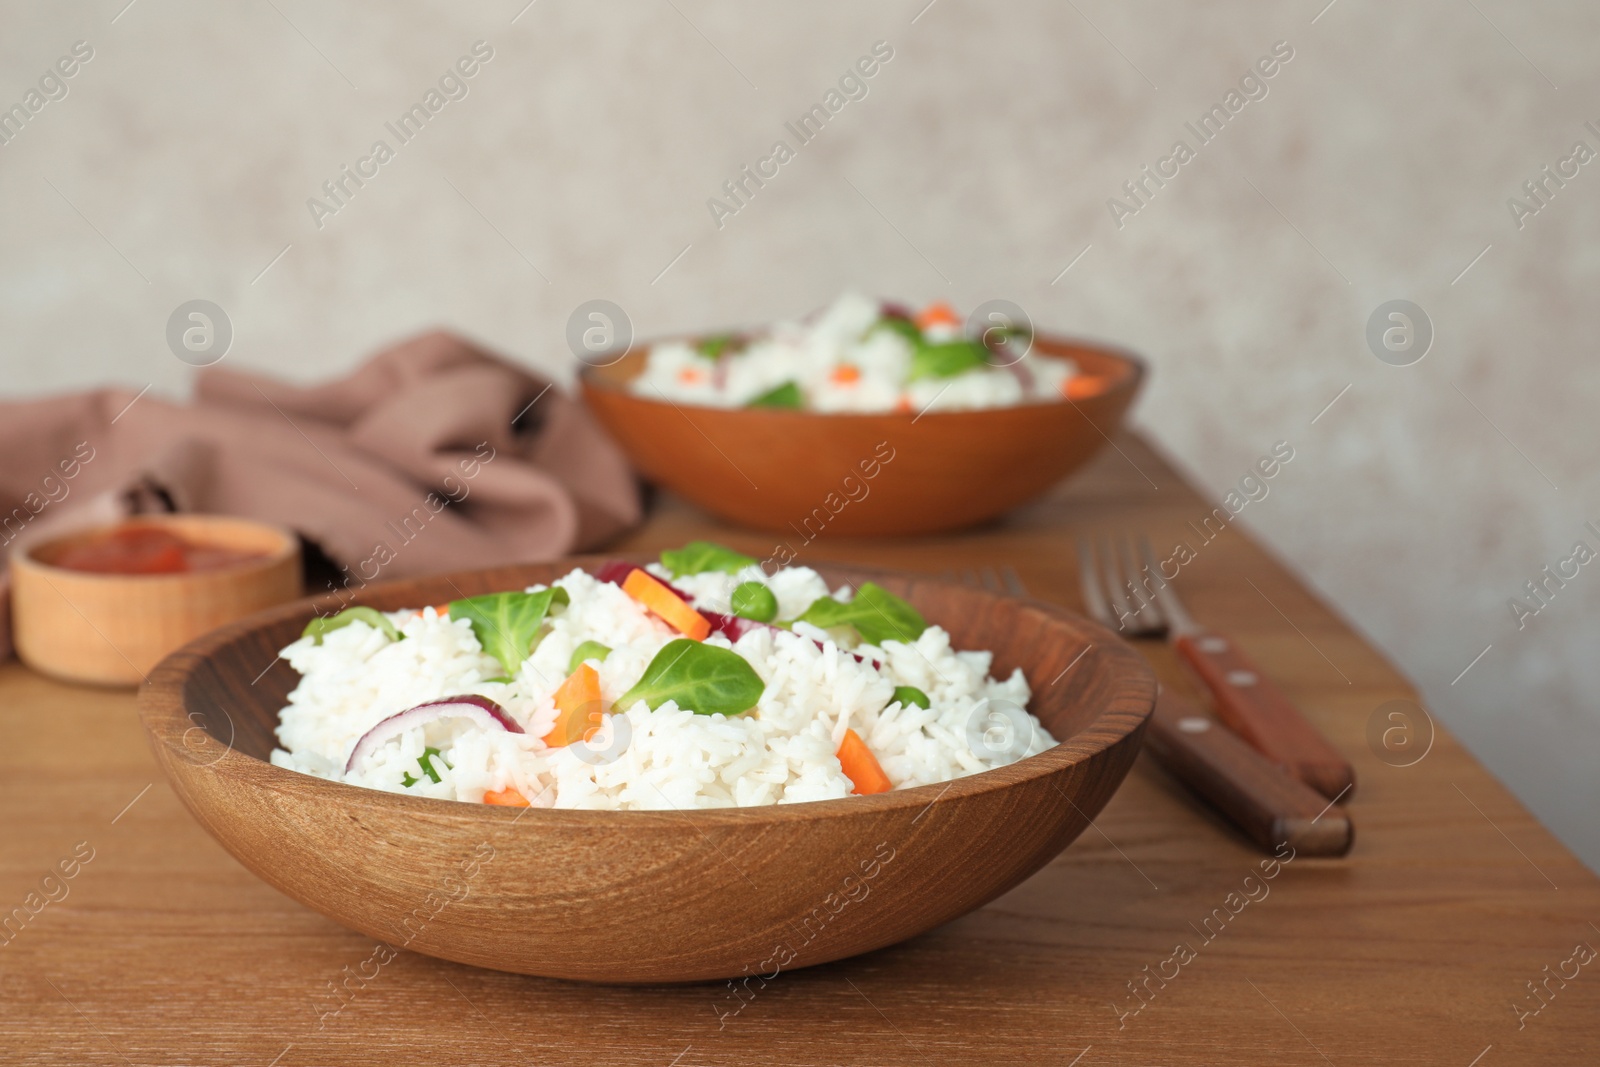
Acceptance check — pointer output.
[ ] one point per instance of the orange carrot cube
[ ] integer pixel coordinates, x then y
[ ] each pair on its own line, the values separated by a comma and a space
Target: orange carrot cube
937, 313
505, 798
861, 766
667, 605
578, 708
1083, 386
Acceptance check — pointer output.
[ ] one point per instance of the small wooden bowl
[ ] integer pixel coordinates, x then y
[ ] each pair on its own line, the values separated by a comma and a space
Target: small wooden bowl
112, 629
648, 896
806, 474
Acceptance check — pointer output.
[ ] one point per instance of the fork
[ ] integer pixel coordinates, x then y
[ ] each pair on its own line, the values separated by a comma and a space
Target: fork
1140, 601
1270, 805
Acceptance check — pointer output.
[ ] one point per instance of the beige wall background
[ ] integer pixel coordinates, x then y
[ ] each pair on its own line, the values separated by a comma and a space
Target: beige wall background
1378, 165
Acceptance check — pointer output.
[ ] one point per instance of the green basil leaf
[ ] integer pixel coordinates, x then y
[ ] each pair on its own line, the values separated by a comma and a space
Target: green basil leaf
753, 600
698, 557
947, 359
892, 618
587, 651
325, 624
506, 624
904, 327
907, 695
715, 347
877, 615
786, 395
701, 678
827, 613
996, 336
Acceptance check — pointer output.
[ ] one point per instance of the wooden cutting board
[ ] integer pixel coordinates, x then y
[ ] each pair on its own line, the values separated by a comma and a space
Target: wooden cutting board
1158, 937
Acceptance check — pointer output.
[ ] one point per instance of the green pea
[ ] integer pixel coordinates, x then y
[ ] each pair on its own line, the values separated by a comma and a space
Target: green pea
907, 695
754, 601
587, 651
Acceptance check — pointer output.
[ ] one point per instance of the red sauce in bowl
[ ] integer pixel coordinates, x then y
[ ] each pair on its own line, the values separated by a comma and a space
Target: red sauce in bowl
137, 549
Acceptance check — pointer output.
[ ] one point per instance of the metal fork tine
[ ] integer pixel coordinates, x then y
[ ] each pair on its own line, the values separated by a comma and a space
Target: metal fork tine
1115, 586
1146, 614
991, 580
1094, 598
1113, 593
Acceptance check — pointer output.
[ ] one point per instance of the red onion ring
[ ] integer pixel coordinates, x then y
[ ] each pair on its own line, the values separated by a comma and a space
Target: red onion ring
481, 710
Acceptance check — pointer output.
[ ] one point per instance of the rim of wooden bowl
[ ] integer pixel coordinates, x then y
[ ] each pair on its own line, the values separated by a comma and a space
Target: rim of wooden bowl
23, 554
613, 376
168, 720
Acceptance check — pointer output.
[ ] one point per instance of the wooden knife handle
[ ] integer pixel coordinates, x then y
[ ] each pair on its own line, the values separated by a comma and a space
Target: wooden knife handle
1259, 712
1269, 805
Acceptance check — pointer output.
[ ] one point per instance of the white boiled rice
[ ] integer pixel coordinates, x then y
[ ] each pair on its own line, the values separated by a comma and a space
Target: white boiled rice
807, 353
783, 751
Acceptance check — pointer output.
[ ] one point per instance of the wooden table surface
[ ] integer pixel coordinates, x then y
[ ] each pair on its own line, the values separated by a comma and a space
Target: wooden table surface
1418, 948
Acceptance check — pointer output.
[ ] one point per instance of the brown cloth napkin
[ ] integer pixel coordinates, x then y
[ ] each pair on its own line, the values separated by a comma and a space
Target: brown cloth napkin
435, 454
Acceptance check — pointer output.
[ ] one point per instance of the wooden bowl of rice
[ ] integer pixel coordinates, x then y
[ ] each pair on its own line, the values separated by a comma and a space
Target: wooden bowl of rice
886, 474
649, 896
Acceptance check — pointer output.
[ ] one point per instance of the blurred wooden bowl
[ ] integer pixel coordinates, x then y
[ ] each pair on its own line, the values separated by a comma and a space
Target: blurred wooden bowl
807, 473
112, 629
649, 896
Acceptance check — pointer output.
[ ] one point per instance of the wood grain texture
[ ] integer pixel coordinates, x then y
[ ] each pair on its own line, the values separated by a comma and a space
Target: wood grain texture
1250, 702
112, 629
1411, 950
640, 897
894, 473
